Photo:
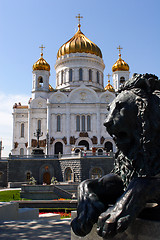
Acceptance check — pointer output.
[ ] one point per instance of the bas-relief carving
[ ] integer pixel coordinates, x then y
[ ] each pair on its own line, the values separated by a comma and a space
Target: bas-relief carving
116, 199
83, 95
58, 97
94, 140
42, 143
72, 140
38, 103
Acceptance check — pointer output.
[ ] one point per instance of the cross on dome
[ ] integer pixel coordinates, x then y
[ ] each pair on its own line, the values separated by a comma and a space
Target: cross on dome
119, 48
108, 75
79, 19
42, 50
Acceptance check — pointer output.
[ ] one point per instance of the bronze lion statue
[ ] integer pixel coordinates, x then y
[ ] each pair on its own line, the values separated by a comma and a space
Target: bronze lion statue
115, 200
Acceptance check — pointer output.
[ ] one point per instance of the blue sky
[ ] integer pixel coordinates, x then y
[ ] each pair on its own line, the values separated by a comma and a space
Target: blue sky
25, 25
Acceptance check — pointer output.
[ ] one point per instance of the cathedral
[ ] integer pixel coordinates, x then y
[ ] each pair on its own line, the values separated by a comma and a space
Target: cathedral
70, 117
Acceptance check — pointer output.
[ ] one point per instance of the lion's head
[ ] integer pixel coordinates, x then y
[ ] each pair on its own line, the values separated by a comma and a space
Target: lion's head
134, 124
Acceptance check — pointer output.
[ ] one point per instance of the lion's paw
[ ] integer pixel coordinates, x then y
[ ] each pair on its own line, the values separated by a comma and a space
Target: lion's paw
110, 223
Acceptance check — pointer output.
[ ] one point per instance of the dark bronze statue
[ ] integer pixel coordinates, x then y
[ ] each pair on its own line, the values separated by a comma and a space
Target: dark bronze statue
115, 200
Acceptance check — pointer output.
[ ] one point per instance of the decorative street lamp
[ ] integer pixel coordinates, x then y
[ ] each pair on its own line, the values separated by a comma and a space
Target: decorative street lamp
38, 134
47, 141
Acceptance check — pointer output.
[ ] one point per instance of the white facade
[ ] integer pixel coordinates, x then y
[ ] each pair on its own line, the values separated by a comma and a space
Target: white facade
119, 77
73, 114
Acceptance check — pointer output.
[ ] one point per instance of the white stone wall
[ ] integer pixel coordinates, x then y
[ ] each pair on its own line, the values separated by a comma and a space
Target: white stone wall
80, 101
19, 116
39, 90
116, 78
75, 62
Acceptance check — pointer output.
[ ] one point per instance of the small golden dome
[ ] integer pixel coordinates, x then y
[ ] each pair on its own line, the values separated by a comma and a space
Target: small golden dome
120, 65
51, 88
79, 43
109, 87
41, 64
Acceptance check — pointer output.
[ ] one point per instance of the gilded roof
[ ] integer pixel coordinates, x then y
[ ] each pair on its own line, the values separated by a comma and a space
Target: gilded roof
109, 87
41, 64
51, 88
120, 65
79, 43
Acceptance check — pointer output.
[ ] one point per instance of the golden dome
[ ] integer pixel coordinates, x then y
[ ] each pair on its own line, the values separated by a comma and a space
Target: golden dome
109, 87
41, 64
79, 43
51, 88
120, 65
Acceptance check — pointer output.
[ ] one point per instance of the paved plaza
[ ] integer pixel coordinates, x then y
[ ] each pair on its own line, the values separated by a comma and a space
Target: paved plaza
36, 229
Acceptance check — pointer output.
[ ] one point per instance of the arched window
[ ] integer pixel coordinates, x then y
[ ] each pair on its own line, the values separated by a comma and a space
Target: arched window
22, 130
122, 80
96, 173
58, 123
88, 123
77, 150
84, 143
108, 146
21, 151
28, 176
58, 148
90, 75
100, 151
40, 81
39, 124
68, 175
97, 77
83, 123
62, 77
80, 74
77, 123
70, 75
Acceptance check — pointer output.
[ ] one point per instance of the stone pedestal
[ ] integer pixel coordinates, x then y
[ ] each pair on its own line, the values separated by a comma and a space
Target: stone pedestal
8, 211
37, 152
139, 230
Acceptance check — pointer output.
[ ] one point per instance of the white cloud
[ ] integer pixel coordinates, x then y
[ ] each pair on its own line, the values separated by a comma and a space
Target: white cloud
6, 105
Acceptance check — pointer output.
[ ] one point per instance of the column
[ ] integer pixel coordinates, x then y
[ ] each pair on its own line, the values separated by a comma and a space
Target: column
48, 128
29, 132
14, 129
98, 122
68, 123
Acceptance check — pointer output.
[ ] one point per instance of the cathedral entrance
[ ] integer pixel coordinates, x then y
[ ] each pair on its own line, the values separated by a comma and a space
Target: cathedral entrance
68, 174
108, 146
84, 143
47, 178
58, 147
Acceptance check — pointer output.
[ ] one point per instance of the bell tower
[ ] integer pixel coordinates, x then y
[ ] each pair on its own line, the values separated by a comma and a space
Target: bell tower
41, 74
120, 71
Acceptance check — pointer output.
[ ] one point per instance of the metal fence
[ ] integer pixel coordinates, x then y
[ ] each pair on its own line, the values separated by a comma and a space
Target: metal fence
63, 156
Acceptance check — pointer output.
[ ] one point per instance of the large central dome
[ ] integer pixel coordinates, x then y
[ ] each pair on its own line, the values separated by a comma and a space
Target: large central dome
79, 43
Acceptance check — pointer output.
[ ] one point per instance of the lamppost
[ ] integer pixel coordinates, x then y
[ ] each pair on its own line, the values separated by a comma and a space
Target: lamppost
1, 148
47, 138
38, 134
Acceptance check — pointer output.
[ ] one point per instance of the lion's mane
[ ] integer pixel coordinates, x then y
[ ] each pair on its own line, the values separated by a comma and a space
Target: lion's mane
144, 156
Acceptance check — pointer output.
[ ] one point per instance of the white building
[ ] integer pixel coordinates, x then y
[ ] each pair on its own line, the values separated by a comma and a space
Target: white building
72, 115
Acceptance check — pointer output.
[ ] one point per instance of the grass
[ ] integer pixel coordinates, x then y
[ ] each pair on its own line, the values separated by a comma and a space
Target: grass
14, 195
10, 195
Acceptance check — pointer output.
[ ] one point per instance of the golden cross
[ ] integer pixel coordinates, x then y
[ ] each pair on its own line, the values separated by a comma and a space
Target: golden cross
119, 48
42, 49
79, 18
108, 76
